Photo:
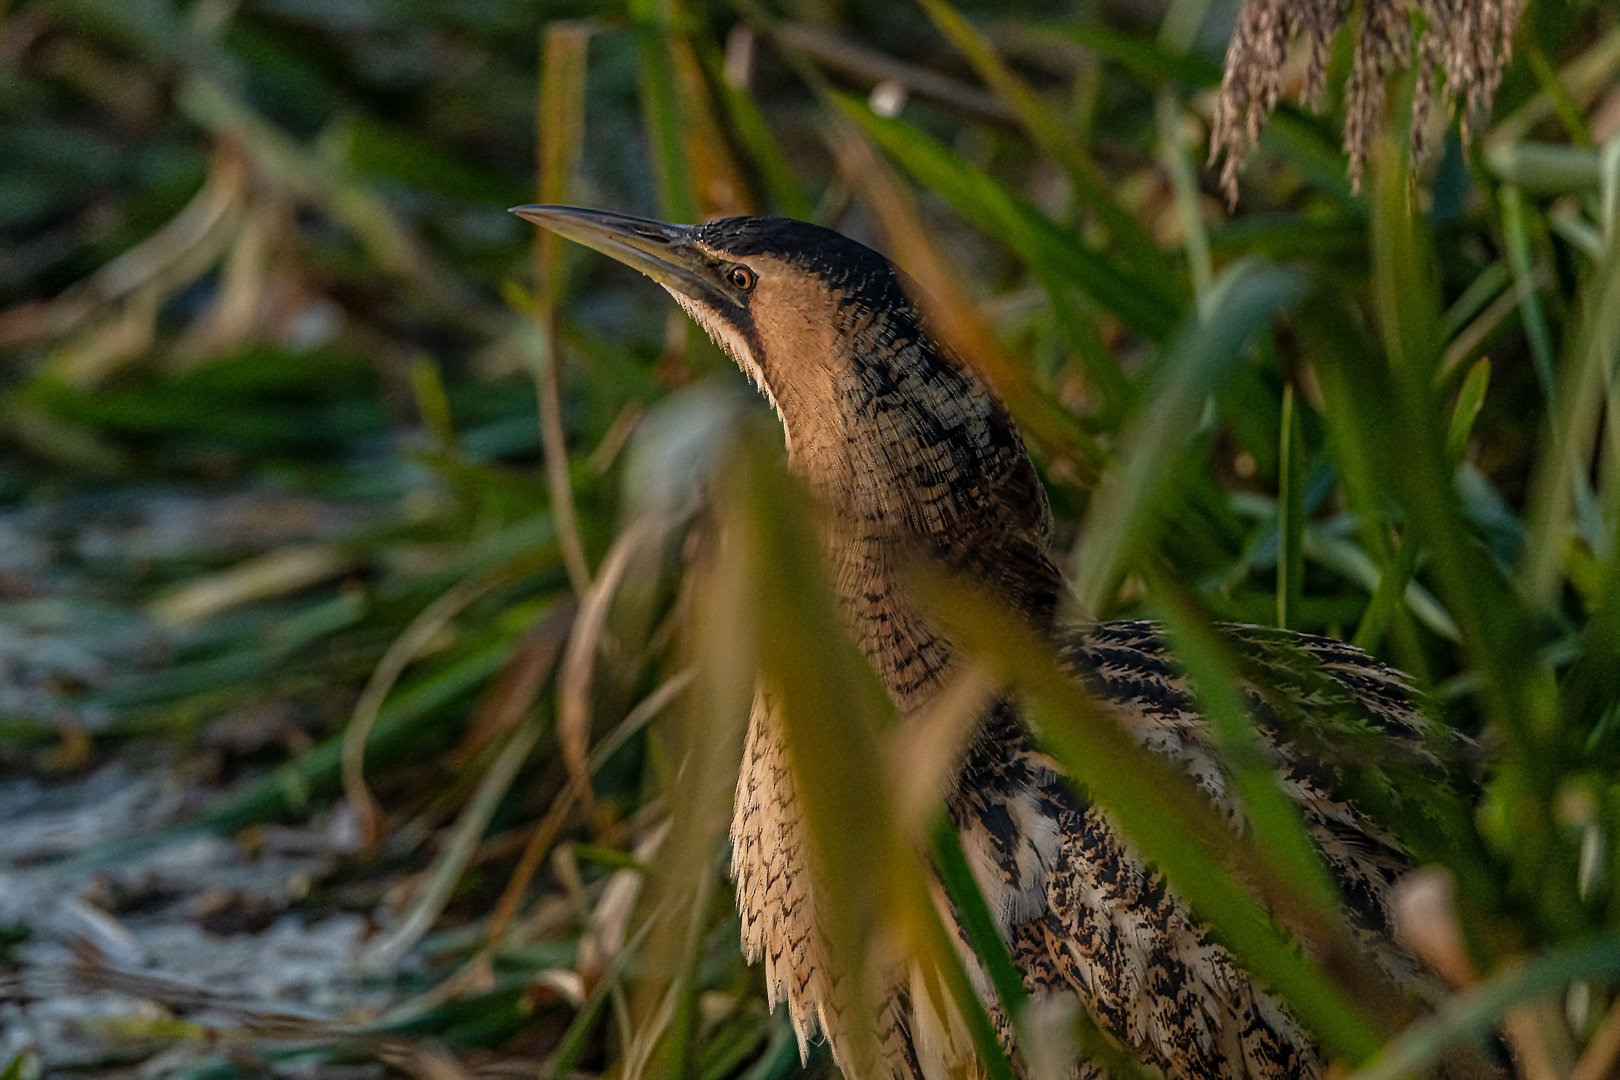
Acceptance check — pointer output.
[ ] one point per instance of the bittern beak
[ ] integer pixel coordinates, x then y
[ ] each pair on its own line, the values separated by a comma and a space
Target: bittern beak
663, 252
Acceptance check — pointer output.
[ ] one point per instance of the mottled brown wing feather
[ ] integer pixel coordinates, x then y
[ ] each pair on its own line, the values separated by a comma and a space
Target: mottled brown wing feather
1086, 916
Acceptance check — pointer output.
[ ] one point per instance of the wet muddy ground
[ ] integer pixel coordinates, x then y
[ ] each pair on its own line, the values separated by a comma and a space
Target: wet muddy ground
129, 944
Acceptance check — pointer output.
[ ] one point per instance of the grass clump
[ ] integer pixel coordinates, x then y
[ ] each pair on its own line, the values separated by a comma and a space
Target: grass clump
338, 498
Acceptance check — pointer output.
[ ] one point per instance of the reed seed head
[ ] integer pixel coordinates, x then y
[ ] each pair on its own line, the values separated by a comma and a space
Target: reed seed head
1460, 47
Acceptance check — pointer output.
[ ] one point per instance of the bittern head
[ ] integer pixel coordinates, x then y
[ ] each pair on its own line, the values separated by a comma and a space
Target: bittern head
877, 413
784, 299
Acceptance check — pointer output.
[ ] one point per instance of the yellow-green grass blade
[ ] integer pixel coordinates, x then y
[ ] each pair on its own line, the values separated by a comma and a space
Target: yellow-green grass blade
1146, 59
1049, 131
559, 142
988, 205
1564, 466
1470, 400
660, 115
752, 127
1125, 515
1518, 694
1290, 511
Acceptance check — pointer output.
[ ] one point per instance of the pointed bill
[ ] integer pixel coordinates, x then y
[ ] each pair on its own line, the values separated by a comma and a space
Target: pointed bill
663, 252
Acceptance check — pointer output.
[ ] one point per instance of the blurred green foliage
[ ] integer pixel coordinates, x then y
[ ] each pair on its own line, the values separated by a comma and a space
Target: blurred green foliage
275, 371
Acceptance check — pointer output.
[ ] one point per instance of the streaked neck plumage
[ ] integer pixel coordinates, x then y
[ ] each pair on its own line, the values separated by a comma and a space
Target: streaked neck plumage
921, 461
907, 449
911, 457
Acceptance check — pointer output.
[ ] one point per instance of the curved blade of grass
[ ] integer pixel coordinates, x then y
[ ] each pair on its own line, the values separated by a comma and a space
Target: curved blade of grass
1123, 519
934, 944
1516, 231
459, 850
1470, 399
1051, 133
556, 817
1562, 468
317, 772
559, 142
577, 678
428, 625
1471, 340
660, 115
571, 1047
1581, 234
748, 121
1471, 1016
1569, 114
1544, 168
1486, 287
1345, 558
977, 923
1290, 512
1393, 589
980, 928
991, 207
274, 574
1144, 57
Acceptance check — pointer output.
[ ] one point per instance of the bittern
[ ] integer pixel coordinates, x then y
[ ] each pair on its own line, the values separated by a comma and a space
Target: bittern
913, 454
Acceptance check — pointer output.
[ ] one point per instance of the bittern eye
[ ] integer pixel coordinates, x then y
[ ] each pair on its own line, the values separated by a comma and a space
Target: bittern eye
742, 277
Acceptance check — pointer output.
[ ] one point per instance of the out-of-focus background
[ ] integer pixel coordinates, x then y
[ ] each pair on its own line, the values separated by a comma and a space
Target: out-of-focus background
344, 702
